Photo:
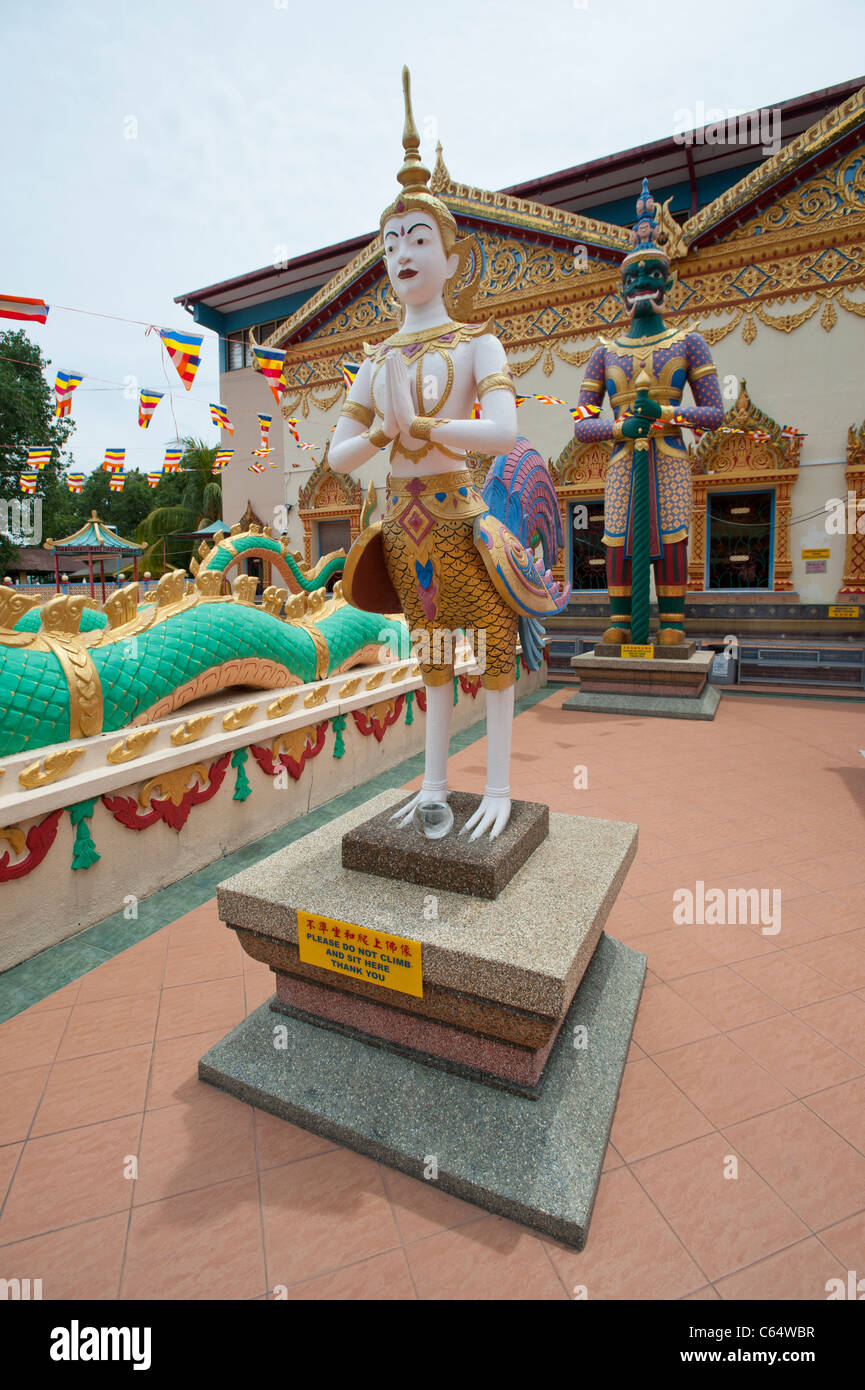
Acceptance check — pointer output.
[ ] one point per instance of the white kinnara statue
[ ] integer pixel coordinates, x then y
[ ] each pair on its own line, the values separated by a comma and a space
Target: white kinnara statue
442, 553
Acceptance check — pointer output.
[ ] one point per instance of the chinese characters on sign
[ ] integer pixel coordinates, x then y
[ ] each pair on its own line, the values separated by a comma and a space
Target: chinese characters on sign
376, 957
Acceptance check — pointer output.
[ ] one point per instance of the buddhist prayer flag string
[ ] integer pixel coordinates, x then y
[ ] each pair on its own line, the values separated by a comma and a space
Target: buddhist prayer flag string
147, 403
116, 481
64, 385
265, 422
256, 468
114, 460
27, 482
75, 482
270, 362
38, 458
291, 425
25, 310
171, 462
349, 372
184, 349
153, 479
584, 412
219, 416
223, 458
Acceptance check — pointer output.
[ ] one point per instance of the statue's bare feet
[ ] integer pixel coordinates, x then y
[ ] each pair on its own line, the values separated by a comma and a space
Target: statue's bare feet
493, 814
404, 815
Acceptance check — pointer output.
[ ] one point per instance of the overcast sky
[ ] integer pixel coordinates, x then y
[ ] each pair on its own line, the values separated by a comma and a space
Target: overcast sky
267, 128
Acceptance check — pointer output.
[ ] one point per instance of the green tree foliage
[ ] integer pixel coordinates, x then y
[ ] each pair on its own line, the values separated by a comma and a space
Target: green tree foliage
185, 501
27, 420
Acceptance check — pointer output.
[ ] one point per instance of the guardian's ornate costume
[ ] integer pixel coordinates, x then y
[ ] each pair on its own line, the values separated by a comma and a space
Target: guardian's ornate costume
671, 358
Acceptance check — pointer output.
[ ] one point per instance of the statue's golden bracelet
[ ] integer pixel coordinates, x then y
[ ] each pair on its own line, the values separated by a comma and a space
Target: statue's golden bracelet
379, 438
355, 411
496, 381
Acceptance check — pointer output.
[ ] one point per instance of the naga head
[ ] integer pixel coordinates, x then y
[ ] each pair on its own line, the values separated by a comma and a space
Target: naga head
422, 250
646, 278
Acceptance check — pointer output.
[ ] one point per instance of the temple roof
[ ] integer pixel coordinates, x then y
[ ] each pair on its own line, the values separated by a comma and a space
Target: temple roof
553, 209
94, 535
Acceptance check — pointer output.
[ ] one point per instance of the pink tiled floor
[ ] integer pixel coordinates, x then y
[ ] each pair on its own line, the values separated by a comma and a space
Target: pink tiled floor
737, 1162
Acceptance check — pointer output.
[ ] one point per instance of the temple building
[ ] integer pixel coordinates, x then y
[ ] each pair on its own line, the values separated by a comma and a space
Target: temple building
767, 240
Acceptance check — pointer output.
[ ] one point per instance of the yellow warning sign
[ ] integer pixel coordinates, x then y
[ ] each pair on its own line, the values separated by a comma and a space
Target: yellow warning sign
839, 610
375, 957
816, 554
638, 652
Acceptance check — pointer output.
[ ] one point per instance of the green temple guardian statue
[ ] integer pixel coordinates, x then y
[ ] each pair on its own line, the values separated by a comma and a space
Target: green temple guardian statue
648, 422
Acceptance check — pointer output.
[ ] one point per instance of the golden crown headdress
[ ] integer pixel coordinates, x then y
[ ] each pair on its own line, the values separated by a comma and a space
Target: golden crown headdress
414, 178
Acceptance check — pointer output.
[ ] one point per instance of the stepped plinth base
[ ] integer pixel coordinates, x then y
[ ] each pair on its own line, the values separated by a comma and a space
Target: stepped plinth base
535, 1161
671, 687
680, 651
481, 1067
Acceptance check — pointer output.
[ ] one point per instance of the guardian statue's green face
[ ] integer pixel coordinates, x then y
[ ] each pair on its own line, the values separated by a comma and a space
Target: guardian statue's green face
645, 285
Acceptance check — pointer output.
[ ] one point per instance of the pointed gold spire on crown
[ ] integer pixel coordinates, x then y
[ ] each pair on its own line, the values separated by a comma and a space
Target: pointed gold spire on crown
414, 176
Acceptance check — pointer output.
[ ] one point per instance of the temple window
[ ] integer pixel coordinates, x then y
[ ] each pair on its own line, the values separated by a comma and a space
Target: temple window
238, 351
588, 558
740, 542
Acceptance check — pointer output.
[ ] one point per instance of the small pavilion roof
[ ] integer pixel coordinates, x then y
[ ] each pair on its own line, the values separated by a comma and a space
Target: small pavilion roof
95, 534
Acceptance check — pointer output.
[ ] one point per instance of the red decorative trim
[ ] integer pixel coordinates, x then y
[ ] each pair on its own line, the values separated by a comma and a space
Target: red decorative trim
420, 696
368, 721
265, 759
470, 685
128, 812
39, 840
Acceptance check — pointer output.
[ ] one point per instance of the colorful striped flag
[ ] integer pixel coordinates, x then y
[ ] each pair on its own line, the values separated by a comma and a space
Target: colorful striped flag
37, 458
147, 403
519, 399
291, 422
114, 461
75, 482
116, 481
171, 462
64, 385
223, 458
184, 349
270, 362
476, 410
153, 479
27, 481
307, 446
256, 468
219, 416
27, 310
548, 400
585, 412
349, 372
265, 422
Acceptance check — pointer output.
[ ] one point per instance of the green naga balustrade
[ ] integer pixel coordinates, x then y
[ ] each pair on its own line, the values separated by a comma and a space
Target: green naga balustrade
67, 670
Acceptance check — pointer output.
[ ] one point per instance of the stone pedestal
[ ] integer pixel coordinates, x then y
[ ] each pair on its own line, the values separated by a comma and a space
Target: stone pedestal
507, 1065
456, 862
673, 687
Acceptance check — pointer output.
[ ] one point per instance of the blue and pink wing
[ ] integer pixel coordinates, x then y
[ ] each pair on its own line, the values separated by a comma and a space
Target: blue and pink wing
523, 509
520, 493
